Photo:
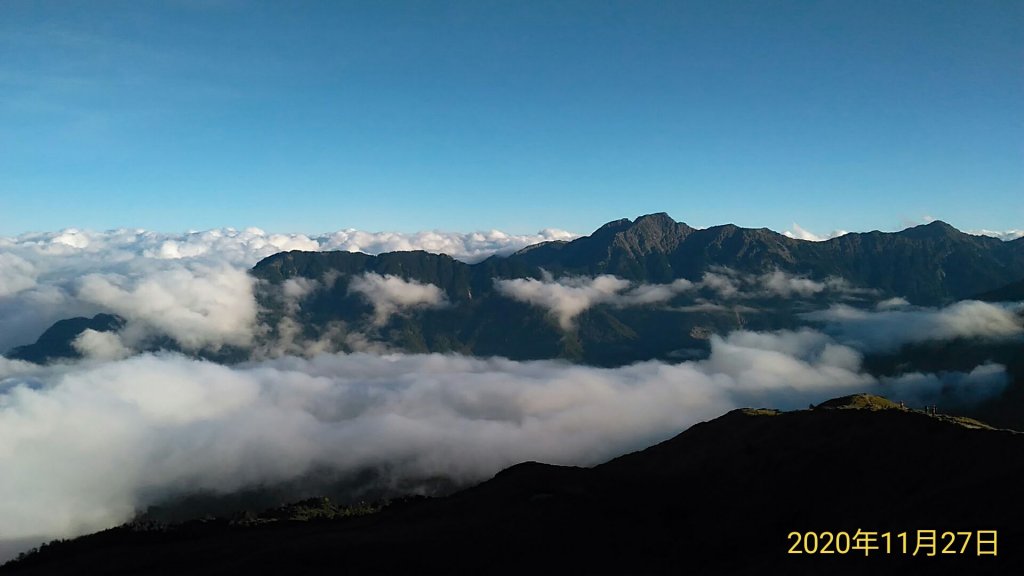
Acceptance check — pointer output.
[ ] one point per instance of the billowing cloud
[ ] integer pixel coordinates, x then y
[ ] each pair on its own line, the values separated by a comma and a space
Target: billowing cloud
724, 284
41, 274
568, 297
800, 233
16, 274
101, 345
86, 445
1005, 235
728, 283
198, 306
471, 247
786, 285
389, 294
891, 326
248, 246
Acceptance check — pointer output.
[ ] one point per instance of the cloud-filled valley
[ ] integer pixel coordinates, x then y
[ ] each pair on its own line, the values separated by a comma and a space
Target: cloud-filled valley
191, 286
888, 328
86, 443
567, 298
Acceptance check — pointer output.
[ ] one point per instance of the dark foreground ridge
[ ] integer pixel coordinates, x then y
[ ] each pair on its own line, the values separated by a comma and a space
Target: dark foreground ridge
720, 498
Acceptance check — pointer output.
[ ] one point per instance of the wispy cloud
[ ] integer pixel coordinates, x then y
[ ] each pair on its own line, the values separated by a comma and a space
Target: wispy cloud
728, 283
389, 294
566, 298
569, 296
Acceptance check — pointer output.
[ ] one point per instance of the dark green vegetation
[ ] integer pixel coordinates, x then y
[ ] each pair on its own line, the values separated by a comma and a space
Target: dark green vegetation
720, 498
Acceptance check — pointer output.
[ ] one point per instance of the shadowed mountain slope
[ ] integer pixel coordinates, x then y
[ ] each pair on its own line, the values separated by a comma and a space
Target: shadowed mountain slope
929, 264
1013, 292
57, 341
720, 498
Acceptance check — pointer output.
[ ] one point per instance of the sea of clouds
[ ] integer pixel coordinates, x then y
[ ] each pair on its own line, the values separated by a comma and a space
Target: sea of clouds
192, 287
84, 445
800, 233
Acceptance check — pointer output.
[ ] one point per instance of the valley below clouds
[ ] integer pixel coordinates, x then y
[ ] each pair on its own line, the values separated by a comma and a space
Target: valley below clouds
88, 443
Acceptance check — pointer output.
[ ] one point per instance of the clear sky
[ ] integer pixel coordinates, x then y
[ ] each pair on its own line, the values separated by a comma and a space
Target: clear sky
386, 115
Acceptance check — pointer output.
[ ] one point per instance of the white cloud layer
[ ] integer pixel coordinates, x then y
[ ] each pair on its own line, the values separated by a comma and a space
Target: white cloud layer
389, 294
154, 279
198, 306
893, 324
86, 445
731, 284
801, 233
1005, 235
568, 297
16, 274
101, 345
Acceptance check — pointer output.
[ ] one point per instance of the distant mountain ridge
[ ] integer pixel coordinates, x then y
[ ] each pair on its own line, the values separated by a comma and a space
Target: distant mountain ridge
930, 264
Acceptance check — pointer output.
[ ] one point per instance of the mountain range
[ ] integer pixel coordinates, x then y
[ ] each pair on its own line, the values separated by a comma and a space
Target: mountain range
928, 265
723, 497
931, 264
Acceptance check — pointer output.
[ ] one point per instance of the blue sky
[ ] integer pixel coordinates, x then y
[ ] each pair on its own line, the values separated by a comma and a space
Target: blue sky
316, 116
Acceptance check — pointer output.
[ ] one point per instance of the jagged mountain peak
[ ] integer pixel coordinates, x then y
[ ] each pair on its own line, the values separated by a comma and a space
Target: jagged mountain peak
933, 229
656, 218
646, 222
652, 233
613, 226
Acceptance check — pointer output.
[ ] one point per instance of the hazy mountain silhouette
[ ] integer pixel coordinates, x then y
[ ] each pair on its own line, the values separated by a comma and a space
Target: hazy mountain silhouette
57, 341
